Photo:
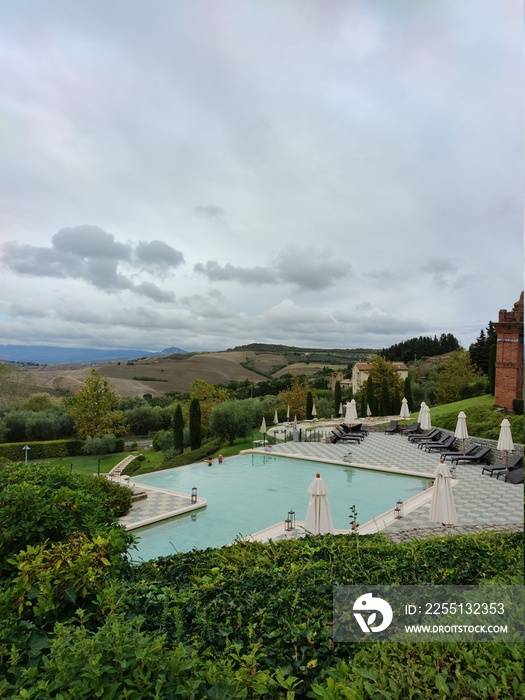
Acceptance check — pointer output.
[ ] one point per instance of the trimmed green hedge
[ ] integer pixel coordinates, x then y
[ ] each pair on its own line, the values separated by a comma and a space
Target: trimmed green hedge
41, 450
48, 449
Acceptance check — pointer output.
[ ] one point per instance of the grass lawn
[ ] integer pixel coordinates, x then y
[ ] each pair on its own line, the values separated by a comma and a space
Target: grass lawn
89, 464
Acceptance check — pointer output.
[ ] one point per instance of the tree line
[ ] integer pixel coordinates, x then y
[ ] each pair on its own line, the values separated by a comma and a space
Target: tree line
424, 346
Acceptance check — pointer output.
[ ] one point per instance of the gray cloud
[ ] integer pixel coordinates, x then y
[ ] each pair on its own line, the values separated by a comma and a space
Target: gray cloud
307, 269
158, 254
229, 273
90, 242
91, 254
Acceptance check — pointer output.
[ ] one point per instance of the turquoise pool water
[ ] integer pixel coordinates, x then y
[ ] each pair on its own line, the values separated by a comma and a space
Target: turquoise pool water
248, 493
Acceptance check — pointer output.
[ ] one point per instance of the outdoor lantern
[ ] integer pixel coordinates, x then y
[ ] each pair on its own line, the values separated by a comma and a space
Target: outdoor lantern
400, 506
194, 495
287, 525
453, 471
291, 518
397, 512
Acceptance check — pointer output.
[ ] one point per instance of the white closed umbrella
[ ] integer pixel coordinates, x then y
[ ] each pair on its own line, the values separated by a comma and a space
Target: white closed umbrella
340, 409
420, 414
348, 413
505, 441
353, 411
405, 411
318, 520
314, 411
262, 430
424, 419
295, 422
276, 417
461, 431
368, 411
288, 414
442, 506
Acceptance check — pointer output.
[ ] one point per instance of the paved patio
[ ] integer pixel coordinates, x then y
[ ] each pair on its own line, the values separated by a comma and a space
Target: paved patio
482, 502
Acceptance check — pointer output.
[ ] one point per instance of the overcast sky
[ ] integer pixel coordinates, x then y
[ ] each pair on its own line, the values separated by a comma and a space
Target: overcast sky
208, 173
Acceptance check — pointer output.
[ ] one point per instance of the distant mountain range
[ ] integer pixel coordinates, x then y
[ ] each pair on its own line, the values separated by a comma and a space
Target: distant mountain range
52, 355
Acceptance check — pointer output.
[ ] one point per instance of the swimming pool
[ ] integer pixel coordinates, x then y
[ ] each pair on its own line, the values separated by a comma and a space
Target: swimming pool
250, 492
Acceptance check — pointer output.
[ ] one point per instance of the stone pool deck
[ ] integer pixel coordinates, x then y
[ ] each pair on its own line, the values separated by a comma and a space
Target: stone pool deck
482, 502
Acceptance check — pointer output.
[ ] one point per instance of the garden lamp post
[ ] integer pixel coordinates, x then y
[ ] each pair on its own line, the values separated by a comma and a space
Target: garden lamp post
26, 449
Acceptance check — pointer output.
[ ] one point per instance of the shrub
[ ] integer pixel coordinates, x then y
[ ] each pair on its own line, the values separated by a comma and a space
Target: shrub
41, 503
42, 450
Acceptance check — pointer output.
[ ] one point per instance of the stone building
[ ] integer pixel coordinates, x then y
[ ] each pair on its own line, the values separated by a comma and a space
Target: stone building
361, 370
509, 356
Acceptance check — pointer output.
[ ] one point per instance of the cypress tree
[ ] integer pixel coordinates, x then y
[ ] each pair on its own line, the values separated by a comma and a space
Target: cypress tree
195, 424
386, 407
370, 397
309, 405
362, 399
408, 394
396, 403
178, 429
492, 368
337, 397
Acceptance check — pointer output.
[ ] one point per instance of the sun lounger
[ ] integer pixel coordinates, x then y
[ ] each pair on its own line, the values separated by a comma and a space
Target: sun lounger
411, 429
358, 428
392, 427
514, 463
440, 445
479, 456
340, 436
515, 476
433, 434
456, 453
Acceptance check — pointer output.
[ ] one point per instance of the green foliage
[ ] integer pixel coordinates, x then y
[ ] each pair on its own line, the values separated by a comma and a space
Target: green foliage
247, 621
178, 429
424, 346
39, 503
52, 424
309, 405
42, 401
338, 397
232, 419
100, 444
93, 408
195, 424
457, 374
408, 393
386, 402
42, 450
480, 350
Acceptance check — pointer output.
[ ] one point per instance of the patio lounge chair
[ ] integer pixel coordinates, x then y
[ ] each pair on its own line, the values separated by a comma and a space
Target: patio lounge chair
411, 429
456, 453
340, 436
434, 434
515, 476
514, 463
392, 427
358, 428
479, 456
440, 445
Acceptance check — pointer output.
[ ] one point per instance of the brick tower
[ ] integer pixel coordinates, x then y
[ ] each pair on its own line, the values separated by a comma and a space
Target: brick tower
509, 356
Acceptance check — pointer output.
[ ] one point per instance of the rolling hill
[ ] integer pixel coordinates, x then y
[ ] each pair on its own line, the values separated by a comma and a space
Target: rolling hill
175, 373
